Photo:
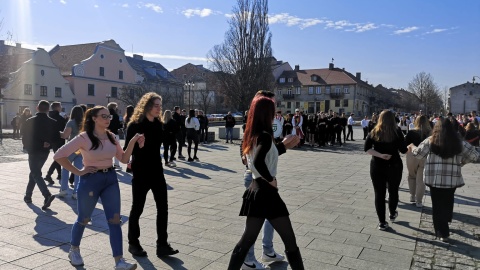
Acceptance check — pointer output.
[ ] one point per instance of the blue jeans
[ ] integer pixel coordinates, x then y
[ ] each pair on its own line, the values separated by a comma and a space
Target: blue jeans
267, 239
229, 130
90, 188
77, 161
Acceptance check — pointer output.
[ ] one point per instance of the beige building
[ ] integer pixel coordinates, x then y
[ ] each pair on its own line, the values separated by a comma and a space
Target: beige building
36, 79
464, 98
314, 90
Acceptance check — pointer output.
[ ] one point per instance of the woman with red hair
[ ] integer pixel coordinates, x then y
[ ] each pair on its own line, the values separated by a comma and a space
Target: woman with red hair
261, 200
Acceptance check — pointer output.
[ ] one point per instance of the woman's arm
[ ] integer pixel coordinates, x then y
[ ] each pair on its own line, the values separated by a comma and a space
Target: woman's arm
264, 143
124, 157
368, 148
66, 133
469, 153
422, 150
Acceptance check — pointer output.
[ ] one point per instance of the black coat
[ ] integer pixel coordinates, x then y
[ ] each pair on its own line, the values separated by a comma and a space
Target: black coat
37, 130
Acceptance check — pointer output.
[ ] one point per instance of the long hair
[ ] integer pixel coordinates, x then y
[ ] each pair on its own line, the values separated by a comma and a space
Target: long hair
128, 113
423, 125
77, 114
386, 128
260, 117
167, 115
445, 141
89, 127
191, 114
144, 105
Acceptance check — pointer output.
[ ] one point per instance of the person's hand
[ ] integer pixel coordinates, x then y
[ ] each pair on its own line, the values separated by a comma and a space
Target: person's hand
140, 139
244, 160
274, 183
290, 141
86, 170
385, 156
46, 145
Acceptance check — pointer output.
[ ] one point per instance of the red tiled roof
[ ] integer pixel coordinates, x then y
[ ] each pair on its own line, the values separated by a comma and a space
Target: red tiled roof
327, 77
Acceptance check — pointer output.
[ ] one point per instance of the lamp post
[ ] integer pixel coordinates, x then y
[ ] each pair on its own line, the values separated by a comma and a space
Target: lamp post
108, 96
189, 84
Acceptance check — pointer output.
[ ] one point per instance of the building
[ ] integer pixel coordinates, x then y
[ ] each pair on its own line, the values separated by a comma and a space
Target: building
314, 90
464, 98
158, 79
97, 72
35, 79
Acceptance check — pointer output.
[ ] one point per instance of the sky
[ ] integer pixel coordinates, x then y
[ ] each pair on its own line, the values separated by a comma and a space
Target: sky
389, 42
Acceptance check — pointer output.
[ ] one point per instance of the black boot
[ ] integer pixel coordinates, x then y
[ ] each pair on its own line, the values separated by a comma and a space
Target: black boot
295, 259
237, 258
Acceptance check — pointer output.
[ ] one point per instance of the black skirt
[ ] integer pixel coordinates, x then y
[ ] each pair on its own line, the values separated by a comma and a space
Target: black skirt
263, 200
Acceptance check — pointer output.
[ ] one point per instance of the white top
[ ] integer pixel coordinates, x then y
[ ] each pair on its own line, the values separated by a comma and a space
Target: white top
193, 123
278, 126
271, 160
365, 122
350, 121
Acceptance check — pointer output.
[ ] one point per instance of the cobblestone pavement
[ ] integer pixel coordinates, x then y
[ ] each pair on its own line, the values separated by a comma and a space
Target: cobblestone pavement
327, 190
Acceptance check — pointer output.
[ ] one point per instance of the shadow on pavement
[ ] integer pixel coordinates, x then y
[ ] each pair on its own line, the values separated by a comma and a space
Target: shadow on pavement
173, 262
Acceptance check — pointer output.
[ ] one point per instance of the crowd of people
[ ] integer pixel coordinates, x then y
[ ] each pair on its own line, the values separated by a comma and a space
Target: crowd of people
88, 152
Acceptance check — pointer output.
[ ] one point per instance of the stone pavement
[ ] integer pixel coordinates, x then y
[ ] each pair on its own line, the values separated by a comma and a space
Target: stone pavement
328, 193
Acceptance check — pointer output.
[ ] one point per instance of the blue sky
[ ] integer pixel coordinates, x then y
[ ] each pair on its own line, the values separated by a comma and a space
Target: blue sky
389, 42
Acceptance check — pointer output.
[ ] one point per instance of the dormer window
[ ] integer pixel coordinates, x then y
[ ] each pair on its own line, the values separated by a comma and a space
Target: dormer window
282, 80
314, 78
290, 79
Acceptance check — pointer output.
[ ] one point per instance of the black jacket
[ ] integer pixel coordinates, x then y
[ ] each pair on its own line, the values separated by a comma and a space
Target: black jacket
38, 130
229, 121
115, 122
180, 120
60, 126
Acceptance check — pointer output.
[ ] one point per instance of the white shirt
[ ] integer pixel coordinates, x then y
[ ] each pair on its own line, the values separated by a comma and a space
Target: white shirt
364, 123
278, 127
193, 123
350, 121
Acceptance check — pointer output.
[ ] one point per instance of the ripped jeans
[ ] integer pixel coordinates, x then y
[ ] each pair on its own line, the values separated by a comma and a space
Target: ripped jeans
90, 188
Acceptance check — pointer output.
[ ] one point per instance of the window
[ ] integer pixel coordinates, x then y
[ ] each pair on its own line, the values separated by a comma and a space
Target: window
91, 90
131, 93
42, 72
319, 90
102, 71
337, 102
289, 104
114, 93
43, 91
314, 78
298, 91
120, 74
289, 92
310, 90
279, 92
297, 105
345, 103
58, 92
90, 105
337, 90
346, 90
327, 90
290, 79
282, 80
184, 76
28, 89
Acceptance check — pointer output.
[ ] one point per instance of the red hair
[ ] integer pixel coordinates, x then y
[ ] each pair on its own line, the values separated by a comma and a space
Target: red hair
260, 118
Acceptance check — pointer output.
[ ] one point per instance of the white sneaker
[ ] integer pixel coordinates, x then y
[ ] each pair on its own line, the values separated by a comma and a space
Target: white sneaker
172, 164
75, 257
419, 204
274, 257
123, 265
62, 194
253, 265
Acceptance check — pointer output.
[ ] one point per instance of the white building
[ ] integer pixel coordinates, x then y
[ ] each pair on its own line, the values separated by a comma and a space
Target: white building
464, 98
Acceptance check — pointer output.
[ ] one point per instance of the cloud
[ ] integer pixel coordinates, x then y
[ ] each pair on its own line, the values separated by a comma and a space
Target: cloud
174, 57
438, 30
34, 46
125, 5
63, 2
366, 27
406, 30
96, 6
198, 12
156, 8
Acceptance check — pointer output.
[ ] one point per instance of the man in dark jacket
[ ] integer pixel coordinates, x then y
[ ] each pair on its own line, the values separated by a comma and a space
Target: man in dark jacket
114, 126
229, 124
180, 135
203, 120
38, 138
56, 108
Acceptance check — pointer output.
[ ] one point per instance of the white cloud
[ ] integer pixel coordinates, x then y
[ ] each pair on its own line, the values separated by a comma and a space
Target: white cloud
96, 6
366, 27
125, 5
169, 56
156, 8
438, 30
34, 46
197, 12
63, 2
406, 30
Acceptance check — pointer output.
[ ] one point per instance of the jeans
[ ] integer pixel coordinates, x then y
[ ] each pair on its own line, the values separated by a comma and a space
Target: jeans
267, 239
90, 188
442, 209
77, 161
35, 162
229, 130
386, 175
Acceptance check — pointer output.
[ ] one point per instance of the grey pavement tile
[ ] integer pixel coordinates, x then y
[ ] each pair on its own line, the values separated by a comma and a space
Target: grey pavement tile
34, 261
213, 245
408, 245
335, 247
359, 264
362, 244
386, 258
320, 256
207, 254
9, 253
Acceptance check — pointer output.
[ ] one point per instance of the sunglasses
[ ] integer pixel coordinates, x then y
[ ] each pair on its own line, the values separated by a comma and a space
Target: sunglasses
106, 116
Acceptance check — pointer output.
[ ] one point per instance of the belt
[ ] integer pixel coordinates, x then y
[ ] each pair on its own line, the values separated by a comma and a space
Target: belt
105, 170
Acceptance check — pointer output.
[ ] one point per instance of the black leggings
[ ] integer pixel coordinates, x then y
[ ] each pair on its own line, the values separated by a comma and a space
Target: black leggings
192, 136
282, 225
386, 175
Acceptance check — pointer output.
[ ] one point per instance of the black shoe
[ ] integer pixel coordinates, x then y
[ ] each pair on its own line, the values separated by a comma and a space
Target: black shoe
27, 199
383, 226
166, 250
347, 140
48, 201
190, 159
181, 157
352, 140
196, 158
394, 216
49, 179
174, 158
137, 250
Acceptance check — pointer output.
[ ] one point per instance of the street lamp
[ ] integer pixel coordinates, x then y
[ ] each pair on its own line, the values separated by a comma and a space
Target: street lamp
108, 96
190, 85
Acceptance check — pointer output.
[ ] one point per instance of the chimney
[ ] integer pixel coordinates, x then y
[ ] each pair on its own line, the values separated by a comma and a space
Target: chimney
18, 45
359, 75
137, 56
330, 66
297, 67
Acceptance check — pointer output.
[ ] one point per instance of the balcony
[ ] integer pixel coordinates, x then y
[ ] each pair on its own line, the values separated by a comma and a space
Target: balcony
336, 95
288, 96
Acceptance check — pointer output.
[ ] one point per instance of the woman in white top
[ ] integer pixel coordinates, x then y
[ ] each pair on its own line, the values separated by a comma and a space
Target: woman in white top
193, 126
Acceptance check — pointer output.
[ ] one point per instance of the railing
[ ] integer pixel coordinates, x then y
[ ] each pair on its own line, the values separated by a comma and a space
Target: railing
288, 96
336, 95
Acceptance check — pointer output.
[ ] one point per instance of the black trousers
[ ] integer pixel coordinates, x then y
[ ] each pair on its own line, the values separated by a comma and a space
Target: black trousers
180, 137
55, 166
365, 132
36, 160
350, 132
203, 134
442, 209
141, 184
386, 175
169, 145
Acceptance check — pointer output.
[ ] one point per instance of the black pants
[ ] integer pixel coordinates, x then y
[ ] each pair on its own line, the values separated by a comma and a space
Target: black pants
141, 184
350, 132
181, 140
343, 130
192, 136
16, 133
169, 145
386, 175
36, 161
204, 134
55, 166
442, 209
365, 132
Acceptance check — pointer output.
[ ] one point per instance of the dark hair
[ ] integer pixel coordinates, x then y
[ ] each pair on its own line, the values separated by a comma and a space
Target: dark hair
445, 141
55, 105
43, 106
89, 127
260, 117
128, 113
84, 107
77, 114
191, 114
265, 93
176, 108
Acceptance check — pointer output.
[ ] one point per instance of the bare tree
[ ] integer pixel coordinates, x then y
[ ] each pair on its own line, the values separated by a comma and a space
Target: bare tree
424, 87
204, 98
243, 62
130, 95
